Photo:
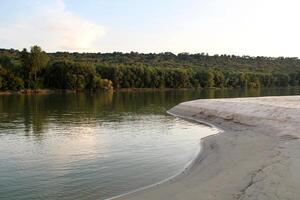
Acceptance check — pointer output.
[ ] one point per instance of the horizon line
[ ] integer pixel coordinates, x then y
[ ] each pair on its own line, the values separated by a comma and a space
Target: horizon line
161, 52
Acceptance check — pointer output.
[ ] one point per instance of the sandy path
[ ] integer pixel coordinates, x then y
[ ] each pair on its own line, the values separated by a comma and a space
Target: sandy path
256, 157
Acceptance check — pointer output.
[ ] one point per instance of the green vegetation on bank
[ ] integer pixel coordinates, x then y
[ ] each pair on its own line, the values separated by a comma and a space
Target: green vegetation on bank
37, 70
63, 70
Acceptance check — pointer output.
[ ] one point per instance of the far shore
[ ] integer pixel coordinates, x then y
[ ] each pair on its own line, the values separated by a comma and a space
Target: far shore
45, 91
53, 91
62, 91
255, 157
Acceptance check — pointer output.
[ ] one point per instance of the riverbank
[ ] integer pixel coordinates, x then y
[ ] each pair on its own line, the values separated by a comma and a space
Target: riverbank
36, 91
57, 91
46, 91
257, 156
207, 92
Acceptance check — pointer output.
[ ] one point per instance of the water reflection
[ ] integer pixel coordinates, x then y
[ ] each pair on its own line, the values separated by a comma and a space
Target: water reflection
93, 146
37, 111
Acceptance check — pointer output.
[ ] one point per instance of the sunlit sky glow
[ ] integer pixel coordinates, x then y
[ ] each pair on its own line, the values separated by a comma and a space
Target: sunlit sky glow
241, 27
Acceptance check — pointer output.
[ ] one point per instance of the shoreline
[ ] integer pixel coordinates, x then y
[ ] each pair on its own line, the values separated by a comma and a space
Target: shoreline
133, 90
67, 91
185, 168
255, 157
48, 91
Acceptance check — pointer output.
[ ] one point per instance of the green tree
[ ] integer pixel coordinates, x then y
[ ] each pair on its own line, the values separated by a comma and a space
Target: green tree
74, 75
33, 62
38, 61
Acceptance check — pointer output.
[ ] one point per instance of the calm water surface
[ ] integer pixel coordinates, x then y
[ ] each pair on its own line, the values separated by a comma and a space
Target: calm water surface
95, 146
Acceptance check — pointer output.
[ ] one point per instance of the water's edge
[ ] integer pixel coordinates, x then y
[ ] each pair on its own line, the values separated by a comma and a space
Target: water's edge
188, 166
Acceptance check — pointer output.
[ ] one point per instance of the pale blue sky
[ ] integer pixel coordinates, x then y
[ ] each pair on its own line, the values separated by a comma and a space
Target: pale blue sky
243, 27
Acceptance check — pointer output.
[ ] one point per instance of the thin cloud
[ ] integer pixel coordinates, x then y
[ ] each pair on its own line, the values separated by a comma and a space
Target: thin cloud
55, 29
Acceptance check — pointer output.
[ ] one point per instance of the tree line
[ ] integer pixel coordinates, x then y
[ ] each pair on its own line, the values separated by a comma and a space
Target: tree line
157, 77
63, 70
35, 70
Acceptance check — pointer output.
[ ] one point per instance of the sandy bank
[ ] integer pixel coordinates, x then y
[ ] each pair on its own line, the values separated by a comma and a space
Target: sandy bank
256, 157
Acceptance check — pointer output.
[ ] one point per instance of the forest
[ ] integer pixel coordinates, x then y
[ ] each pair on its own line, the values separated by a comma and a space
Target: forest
36, 69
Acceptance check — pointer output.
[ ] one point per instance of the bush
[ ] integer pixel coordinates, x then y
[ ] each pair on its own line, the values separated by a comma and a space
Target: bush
71, 75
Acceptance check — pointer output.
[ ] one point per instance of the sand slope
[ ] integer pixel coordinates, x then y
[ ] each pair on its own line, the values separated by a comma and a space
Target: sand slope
257, 156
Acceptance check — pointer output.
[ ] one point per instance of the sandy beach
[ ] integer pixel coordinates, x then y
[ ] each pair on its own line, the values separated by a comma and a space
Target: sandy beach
255, 157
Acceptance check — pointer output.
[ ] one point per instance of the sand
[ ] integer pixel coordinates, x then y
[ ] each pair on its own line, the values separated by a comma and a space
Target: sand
256, 156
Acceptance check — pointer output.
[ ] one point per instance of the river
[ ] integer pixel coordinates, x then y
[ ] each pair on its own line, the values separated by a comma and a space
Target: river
98, 145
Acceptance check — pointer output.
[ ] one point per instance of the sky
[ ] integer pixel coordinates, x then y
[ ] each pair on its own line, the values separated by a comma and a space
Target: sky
240, 27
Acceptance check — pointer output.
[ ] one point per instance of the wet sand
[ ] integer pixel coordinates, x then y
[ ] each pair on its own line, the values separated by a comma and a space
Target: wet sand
256, 156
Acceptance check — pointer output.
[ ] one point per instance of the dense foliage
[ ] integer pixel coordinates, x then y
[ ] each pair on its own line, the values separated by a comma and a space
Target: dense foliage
35, 70
62, 70
70, 75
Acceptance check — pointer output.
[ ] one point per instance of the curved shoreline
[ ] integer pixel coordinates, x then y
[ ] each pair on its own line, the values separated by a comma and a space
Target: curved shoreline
184, 169
256, 157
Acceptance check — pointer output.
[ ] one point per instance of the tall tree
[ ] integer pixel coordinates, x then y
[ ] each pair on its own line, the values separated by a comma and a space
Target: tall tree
34, 61
38, 59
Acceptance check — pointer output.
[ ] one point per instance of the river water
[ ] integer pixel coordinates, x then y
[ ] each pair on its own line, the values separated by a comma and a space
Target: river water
96, 146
